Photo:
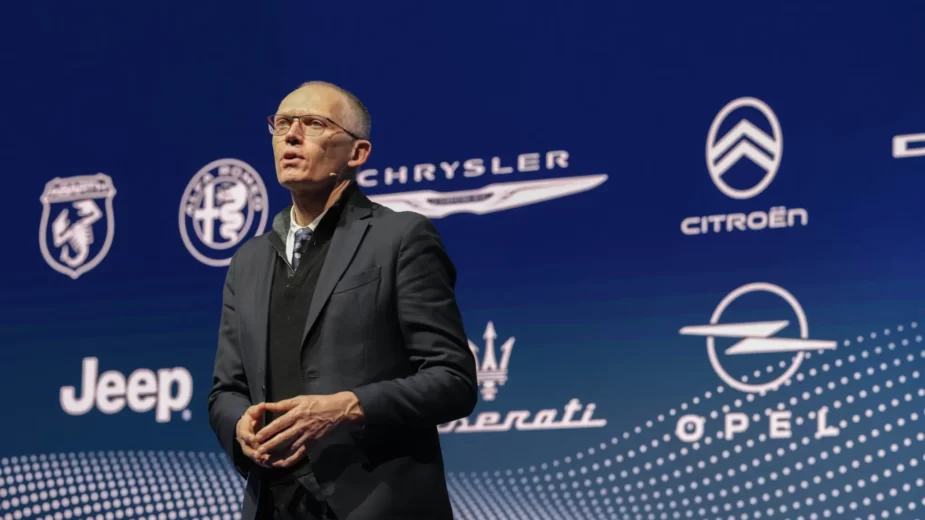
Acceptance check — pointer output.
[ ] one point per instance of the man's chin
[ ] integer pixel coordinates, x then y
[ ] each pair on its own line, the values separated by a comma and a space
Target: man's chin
302, 182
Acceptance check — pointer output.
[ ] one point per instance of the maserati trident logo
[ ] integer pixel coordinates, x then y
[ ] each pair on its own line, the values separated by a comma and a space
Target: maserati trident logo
744, 141
757, 338
491, 373
492, 370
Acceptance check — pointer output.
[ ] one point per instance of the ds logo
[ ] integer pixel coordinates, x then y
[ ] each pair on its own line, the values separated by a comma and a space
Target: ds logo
909, 145
142, 391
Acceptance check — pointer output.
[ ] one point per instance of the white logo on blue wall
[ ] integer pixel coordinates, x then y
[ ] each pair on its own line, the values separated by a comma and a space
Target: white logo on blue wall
490, 198
77, 225
142, 391
908, 145
744, 141
492, 369
224, 204
731, 159
758, 339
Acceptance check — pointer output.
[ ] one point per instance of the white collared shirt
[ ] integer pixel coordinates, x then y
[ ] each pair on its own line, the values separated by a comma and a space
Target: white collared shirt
293, 227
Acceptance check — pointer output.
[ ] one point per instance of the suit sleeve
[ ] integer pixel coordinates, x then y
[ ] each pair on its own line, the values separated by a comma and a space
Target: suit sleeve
444, 386
229, 396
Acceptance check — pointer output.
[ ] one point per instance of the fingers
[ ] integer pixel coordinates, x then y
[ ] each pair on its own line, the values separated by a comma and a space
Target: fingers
245, 429
292, 459
278, 425
250, 435
281, 406
247, 439
245, 432
256, 410
296, 451
248, 451
282, 440
252, 454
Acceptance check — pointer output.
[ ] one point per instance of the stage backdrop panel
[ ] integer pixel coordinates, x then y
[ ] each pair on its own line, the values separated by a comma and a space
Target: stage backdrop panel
688, 239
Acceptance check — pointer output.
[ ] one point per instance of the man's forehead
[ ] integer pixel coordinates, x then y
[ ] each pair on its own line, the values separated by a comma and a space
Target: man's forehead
312, 99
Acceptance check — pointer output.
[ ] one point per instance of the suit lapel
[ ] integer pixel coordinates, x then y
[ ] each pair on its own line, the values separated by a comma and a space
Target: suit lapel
262, 306
276, 246
344, 243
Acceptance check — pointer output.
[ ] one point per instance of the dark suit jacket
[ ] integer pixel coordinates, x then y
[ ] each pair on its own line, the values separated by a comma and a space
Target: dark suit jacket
390, 331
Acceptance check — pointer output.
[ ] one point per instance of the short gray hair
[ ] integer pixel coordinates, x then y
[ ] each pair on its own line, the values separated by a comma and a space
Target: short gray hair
358, 111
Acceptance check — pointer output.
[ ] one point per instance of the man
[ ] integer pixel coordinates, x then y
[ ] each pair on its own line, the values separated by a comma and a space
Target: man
341, 346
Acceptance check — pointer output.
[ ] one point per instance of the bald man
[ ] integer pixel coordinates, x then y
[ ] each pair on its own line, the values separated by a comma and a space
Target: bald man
341, 346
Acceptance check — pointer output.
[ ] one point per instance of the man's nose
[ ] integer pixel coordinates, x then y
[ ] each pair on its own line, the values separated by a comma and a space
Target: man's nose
293, 139
294, 136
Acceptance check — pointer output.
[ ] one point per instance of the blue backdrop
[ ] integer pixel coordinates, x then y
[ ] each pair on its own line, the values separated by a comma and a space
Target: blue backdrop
689, 234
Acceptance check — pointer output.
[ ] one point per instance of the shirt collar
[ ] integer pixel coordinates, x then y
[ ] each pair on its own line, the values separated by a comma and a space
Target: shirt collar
284, 224
293, 226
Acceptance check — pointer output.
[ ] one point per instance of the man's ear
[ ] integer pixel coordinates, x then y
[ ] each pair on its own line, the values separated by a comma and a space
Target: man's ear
361, 151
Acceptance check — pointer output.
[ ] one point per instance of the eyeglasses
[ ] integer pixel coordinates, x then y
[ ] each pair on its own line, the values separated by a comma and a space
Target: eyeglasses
312, 125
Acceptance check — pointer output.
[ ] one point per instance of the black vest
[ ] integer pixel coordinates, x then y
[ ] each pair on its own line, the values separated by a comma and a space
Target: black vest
290, 300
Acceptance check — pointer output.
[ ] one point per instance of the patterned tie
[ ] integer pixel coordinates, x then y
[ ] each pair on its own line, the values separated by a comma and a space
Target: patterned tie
302, 236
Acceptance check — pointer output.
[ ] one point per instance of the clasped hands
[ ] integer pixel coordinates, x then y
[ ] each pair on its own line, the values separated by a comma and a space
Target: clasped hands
306, 418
